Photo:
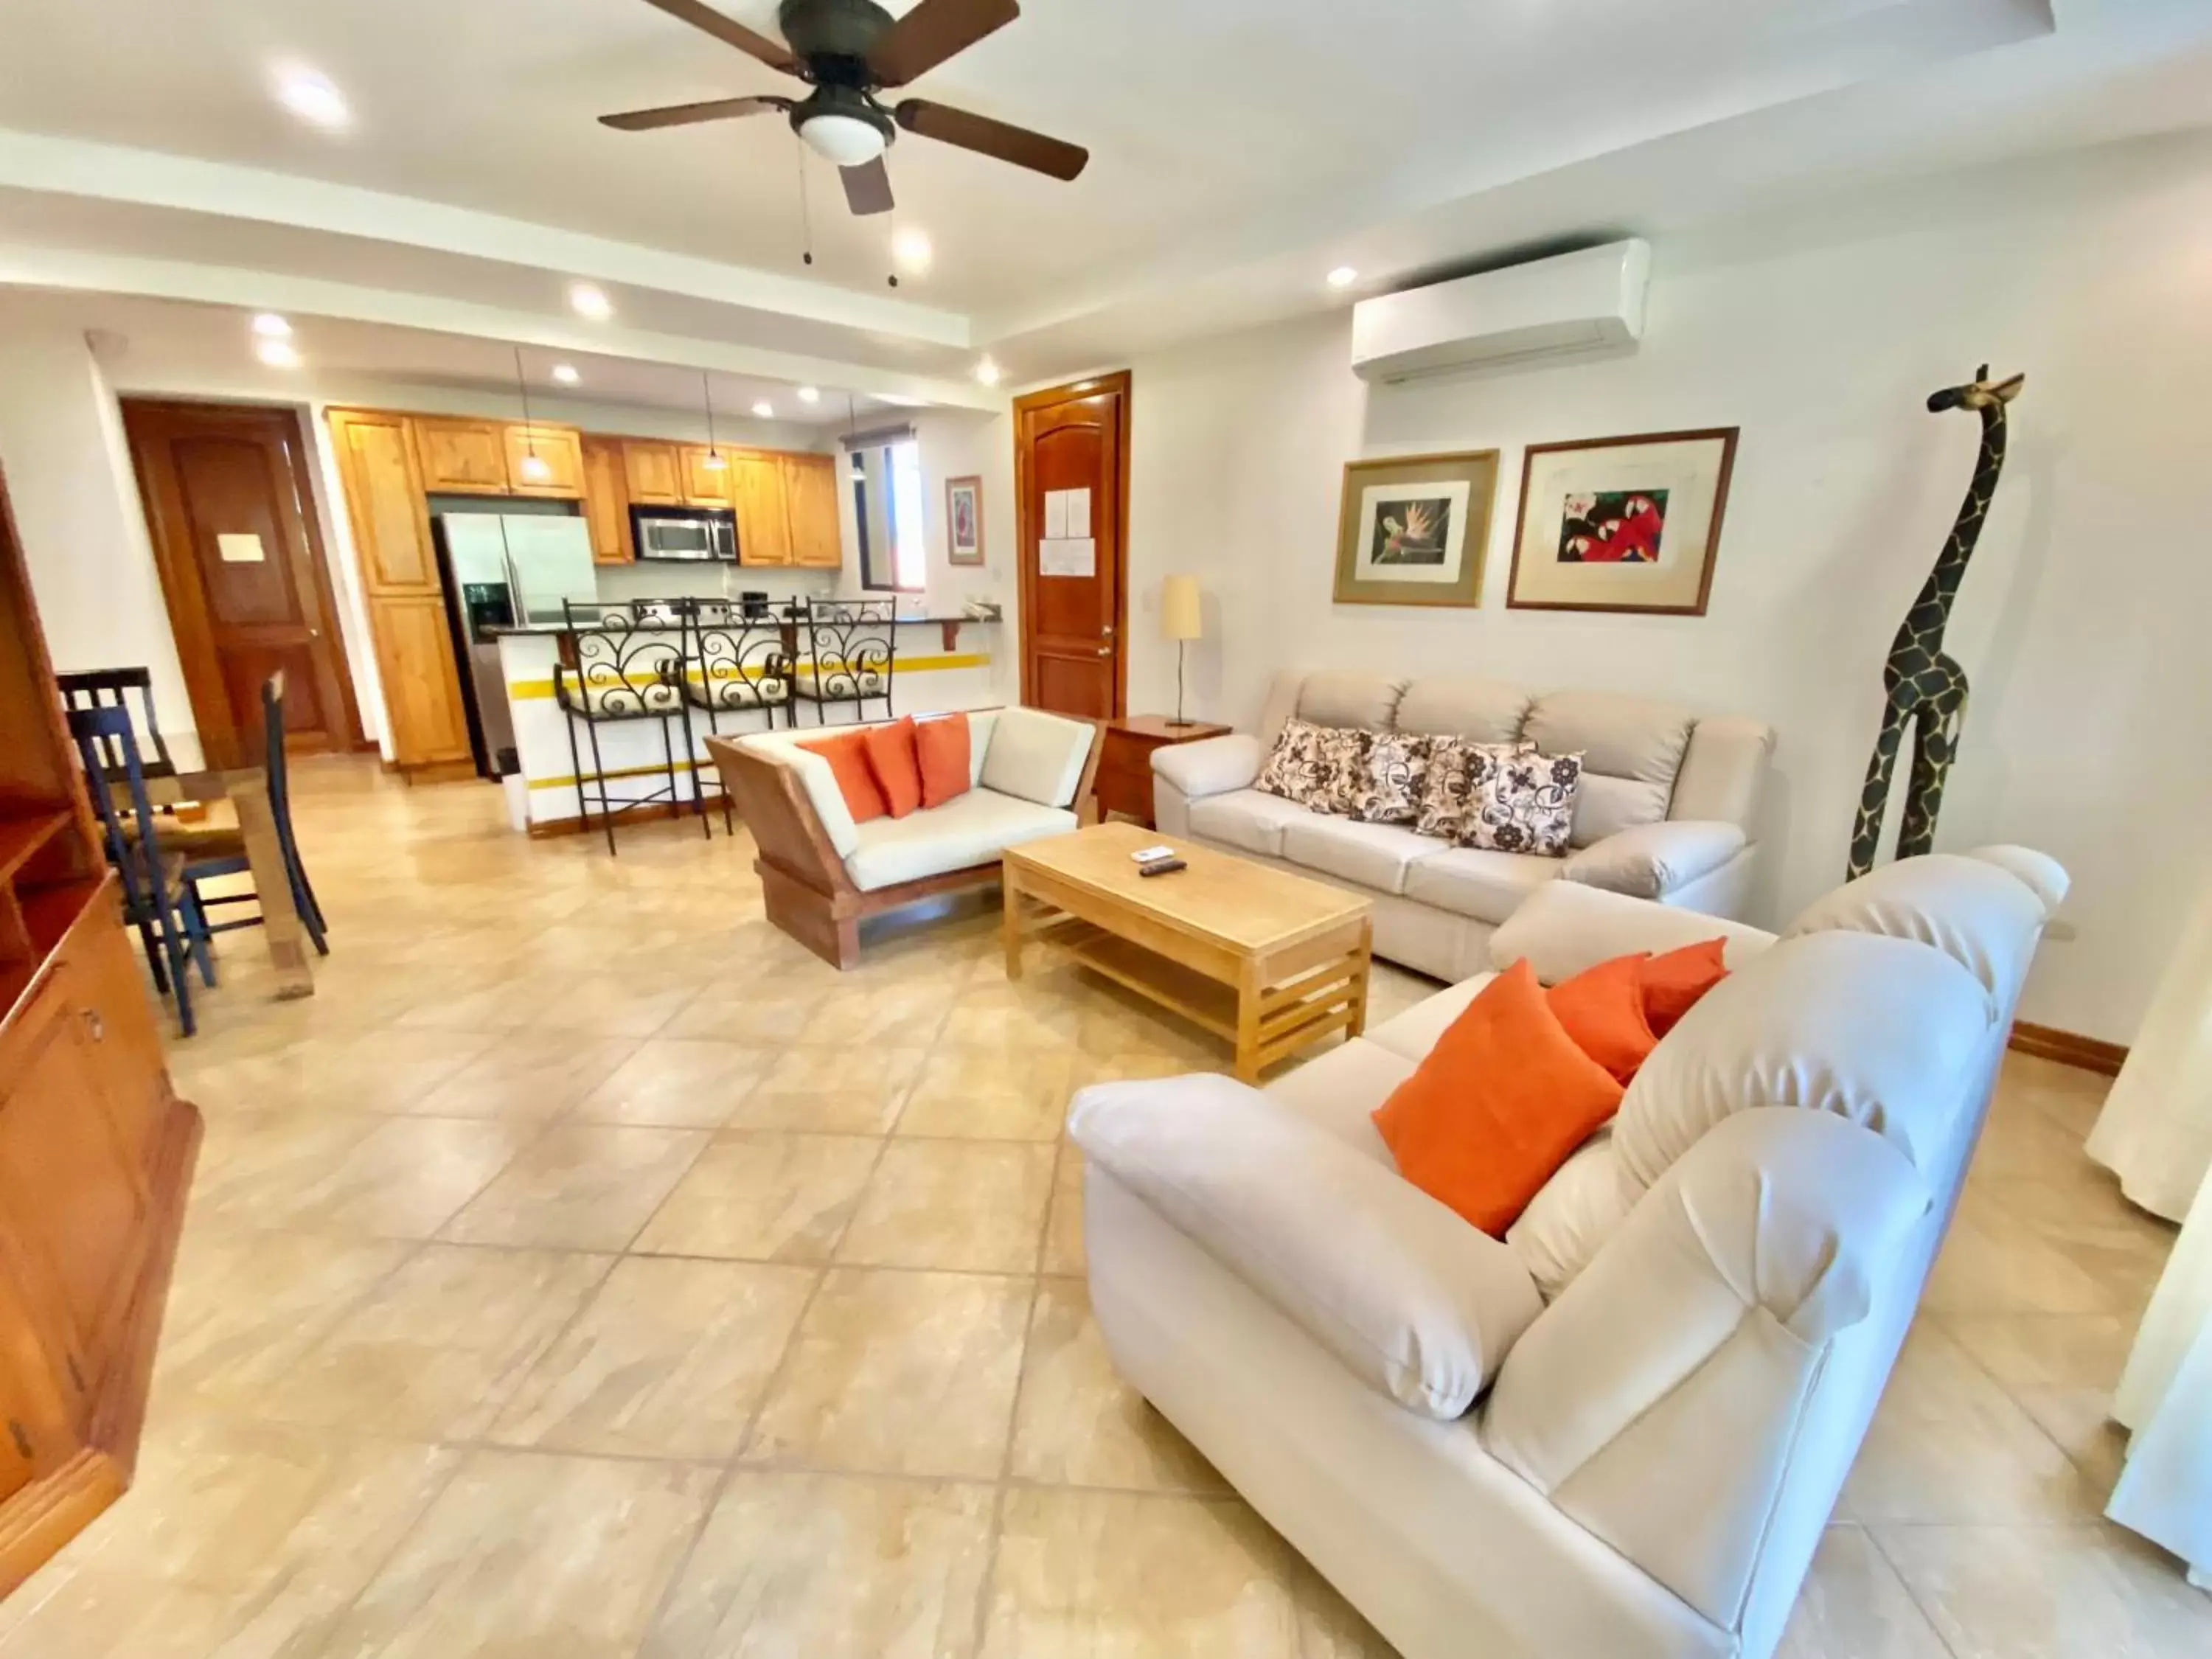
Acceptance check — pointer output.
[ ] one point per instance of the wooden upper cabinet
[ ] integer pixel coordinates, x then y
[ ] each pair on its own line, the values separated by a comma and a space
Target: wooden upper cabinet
763, 525
704, 484
655, 479
384, 501
606, 502
422, 691
810, 498
560, 447
469, 456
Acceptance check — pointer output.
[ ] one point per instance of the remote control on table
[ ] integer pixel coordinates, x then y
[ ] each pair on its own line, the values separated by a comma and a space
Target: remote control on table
1160, 866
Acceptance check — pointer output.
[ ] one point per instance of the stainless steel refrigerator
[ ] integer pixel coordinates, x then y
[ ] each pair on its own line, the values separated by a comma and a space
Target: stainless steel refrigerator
505, 569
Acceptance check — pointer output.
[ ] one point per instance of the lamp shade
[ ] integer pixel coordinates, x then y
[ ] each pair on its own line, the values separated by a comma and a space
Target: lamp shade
1179, 608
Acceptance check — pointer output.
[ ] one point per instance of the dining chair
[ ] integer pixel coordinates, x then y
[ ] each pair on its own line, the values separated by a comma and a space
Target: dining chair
852, 646
171, 926
112, 688
211, 851
733, 665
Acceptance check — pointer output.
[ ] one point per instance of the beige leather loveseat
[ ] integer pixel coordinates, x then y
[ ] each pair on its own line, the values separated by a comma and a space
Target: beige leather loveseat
1665, 811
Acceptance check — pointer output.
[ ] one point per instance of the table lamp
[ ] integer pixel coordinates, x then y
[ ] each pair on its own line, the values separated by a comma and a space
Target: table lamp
1181, 622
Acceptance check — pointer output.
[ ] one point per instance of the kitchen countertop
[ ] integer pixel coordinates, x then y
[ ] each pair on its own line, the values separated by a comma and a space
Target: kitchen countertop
497, 630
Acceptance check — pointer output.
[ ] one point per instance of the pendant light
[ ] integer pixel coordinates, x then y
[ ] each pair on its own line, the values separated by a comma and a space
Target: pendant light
714, 462
533, 469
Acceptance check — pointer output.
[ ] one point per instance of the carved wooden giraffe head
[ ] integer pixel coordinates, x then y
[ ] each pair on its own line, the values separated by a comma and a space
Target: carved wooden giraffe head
1977, 394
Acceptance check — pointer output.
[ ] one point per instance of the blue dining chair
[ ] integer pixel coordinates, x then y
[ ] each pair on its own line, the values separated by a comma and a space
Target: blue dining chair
221, 852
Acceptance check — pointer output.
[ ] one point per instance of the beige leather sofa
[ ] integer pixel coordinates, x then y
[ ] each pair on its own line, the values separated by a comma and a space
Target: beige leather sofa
1665, 811
1672, 1357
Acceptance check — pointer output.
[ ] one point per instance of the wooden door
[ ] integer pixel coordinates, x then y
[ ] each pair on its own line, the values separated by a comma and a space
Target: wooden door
705, 485
1074, 610
764, 527
470, 456
654, 477
559, 448
226, 490
422, 691
810, 503
384, 501
606, 502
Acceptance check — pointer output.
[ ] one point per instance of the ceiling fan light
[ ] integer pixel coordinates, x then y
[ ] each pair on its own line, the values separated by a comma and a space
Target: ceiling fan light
844, 139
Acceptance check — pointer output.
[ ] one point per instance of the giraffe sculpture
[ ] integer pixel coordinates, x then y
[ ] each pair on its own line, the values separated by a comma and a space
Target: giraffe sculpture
1927, 689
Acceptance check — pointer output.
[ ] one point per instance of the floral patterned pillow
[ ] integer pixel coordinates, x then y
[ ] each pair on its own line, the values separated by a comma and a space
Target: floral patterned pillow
1343, 784
1458, 771
1397, 769
1527, 805
1293, 766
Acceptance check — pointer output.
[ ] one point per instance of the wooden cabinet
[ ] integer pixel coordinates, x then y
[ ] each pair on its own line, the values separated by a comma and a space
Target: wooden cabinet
422, 689
559, 449
469, 456
654, 474
1125, 764
606, 502
764, 527
810, 499
705, 484
391, 521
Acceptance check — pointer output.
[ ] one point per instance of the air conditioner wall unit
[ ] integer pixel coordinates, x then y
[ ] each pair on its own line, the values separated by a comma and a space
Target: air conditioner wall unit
1575, 302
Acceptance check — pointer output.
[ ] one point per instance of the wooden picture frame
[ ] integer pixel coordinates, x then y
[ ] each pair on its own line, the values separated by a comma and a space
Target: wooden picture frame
963, 533
1668, 494
1414, 529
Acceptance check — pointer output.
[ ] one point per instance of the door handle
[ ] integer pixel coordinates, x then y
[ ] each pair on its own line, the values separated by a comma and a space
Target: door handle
1105, 650
1107, 632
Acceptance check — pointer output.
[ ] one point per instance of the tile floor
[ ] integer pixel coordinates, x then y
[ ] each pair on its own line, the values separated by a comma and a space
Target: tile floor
587, 1271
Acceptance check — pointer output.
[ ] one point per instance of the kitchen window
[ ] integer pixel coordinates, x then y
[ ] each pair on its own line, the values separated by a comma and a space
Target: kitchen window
887, 514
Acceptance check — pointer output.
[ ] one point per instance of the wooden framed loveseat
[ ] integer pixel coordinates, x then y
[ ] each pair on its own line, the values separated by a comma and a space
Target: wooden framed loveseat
1030, 775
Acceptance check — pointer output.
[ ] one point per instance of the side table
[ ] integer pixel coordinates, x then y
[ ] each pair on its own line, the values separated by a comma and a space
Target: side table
1125, 769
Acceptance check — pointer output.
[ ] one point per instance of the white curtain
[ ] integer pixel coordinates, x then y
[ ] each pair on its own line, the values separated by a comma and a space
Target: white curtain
2156, 1130
2165, 1492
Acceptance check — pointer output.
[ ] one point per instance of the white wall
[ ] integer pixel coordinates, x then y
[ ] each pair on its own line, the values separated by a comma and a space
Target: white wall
1820, 332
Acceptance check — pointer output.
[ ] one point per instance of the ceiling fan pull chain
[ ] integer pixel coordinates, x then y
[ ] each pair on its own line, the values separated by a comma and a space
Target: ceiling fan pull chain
805, 212
892, 244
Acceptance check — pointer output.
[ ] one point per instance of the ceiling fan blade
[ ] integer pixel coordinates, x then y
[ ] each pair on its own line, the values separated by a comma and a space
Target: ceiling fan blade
774, 53
932, 33
867, 187
984, 136
683, 115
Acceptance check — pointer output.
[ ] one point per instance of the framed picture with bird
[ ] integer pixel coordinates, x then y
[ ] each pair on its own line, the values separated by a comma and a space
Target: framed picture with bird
1621, 524
1413, 529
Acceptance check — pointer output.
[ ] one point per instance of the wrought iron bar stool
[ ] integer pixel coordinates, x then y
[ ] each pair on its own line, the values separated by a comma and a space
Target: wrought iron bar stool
852, 646
617, 671
733, 665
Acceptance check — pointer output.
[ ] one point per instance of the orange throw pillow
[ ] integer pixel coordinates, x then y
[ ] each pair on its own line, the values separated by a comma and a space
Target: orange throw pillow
891, 759
1498, 1104
1674, 982
847, 755
941, 744
1602, 1008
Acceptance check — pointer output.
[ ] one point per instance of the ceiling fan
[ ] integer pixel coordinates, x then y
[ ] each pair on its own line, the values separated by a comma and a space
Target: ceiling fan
848, 51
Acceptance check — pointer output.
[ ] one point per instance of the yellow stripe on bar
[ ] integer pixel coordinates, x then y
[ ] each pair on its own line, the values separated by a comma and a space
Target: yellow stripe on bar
541, 690
658, 771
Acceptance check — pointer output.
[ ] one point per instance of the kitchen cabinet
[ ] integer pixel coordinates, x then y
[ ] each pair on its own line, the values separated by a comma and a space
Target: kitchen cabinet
469, 456
654, 474
560, 449
606, 500
422, 687
810, 499
704, 484
763, 525
385, 504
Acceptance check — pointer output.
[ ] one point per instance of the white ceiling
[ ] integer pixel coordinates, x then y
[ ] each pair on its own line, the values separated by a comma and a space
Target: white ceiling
1239, 149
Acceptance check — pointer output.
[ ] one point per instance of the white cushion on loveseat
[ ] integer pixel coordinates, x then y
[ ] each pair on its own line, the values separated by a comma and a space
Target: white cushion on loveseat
1374, 855
1477, 882
1036, 757
968, 829
1979, 914
1249, 820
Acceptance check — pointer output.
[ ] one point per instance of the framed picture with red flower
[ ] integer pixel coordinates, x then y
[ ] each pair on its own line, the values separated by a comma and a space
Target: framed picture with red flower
1621, 524
1413, 529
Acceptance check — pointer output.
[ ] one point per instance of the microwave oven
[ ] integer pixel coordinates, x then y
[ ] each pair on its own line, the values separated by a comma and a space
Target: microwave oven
690, 535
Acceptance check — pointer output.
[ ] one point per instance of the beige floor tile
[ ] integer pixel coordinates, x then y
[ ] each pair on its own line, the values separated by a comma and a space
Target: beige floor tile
764, 1195
1063, 1230
440, 1346
391, 1069
992, 1093
2061, 1370
252, 1164
754, 1007
899, 1373
1082, 1573
1014, 1016
405, 1180
1076, 1422
827, 1566
579, 1187
678, 1083
973, 1205
530, 1554
1947, 1444
2030, 1245
668, 1359
2049, 1592
533, 1075
836, 1090
905, 1013
1854, 1606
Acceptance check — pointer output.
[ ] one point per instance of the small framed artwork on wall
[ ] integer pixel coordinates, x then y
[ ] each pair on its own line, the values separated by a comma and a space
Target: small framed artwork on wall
1621, 524
964, 520
1413, 529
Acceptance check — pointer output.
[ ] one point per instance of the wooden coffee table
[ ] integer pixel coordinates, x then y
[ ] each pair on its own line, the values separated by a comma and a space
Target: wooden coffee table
1273, 961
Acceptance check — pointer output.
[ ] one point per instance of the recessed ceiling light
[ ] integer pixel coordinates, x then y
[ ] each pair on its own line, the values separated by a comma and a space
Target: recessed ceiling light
278, 353
911, 249
566, 374
591, 302
310, 96
765, 409
808, 394
269, 326
1343, 276
988, 372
